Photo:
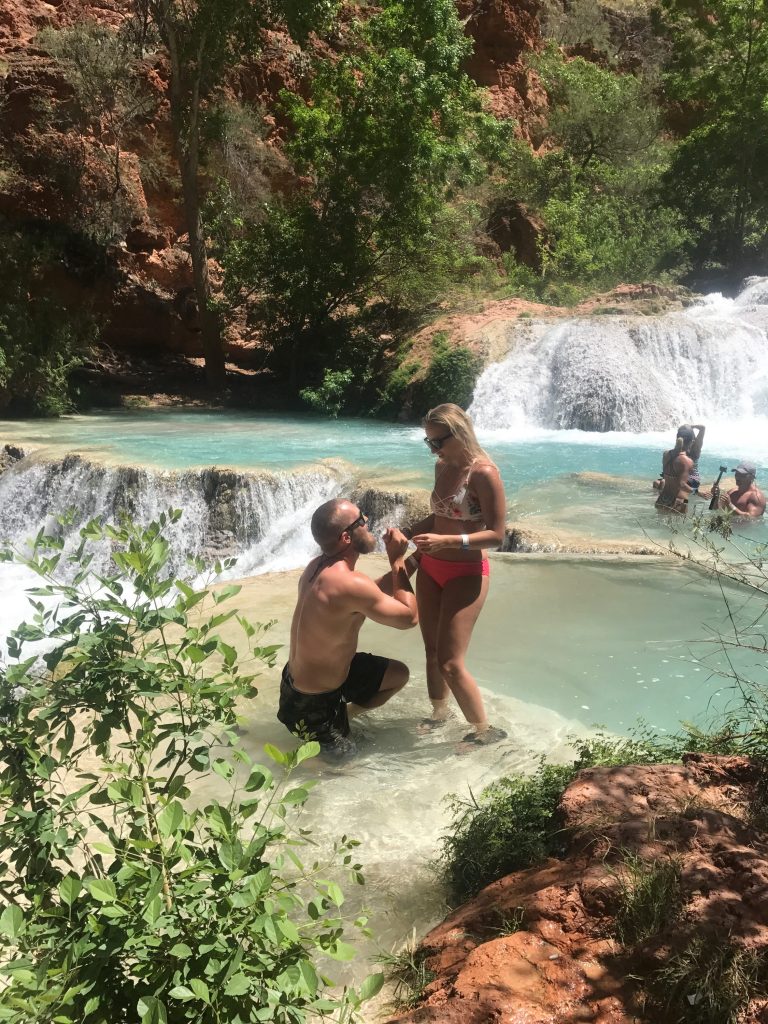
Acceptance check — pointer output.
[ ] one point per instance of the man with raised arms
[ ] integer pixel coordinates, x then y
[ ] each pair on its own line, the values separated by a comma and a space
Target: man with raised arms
326, 680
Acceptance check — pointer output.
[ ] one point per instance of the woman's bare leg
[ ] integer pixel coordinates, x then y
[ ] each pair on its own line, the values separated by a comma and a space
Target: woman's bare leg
462, 601
429, 597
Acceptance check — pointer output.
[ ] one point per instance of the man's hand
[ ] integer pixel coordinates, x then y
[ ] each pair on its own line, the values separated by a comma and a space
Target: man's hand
396, 544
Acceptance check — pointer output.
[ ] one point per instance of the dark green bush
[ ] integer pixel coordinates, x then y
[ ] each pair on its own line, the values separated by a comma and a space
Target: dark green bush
329, 397
41, 341
510, 827
451, 376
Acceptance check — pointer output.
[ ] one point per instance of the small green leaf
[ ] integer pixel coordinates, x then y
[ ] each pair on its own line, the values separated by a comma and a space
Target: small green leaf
237, 985
260, 778
152, 1010
101, 889
299, 795
311, 749
277, 755
181, 992
342, 951
223, 768
169, 819
200, 989
93, 1004
371, 986
335, 893
11, 921
113, 911
180, 950
69, 889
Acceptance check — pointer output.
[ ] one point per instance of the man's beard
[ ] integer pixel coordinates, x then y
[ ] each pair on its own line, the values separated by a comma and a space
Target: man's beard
363, 541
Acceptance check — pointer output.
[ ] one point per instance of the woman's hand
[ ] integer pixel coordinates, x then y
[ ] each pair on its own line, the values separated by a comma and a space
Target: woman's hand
426, 543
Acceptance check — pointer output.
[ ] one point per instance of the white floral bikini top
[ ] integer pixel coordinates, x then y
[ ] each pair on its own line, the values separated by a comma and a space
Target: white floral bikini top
462, 505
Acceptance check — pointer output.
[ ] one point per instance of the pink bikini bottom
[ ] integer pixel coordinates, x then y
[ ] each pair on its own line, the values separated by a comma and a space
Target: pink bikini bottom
441, 571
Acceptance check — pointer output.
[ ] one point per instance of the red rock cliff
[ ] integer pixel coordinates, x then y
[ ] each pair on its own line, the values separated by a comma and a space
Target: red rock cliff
145, 296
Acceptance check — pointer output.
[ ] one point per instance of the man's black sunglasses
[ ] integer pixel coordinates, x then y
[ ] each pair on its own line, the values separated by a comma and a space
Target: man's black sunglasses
436, 443
361, 520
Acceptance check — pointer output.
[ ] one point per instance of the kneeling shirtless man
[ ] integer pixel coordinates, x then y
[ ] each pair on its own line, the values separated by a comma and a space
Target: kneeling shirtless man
326, 680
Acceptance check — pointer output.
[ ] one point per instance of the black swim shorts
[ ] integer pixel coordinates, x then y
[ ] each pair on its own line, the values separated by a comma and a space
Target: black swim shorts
323, 716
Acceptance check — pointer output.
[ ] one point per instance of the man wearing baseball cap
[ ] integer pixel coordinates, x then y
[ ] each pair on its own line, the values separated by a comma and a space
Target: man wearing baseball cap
746, 499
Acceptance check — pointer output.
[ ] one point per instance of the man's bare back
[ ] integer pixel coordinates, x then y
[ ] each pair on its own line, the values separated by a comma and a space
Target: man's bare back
326, 624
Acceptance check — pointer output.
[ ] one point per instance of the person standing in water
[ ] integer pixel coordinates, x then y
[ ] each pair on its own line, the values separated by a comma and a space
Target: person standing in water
690, 440
678, 473
468, 515
326, 681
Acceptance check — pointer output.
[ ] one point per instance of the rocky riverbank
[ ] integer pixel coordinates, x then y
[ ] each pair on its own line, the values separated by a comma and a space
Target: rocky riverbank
554, 943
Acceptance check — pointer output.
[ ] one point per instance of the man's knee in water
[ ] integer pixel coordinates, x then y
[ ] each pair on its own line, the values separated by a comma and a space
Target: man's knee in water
396, 676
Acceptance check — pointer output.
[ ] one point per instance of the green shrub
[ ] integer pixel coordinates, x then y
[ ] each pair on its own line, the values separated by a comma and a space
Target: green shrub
510, 827
450, 377
709, 982
125, 897
410, 975
330, 397
395, 393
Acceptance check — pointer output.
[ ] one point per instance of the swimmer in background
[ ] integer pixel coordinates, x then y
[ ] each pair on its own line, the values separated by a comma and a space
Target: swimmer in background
692, 437
746, 500
677, 466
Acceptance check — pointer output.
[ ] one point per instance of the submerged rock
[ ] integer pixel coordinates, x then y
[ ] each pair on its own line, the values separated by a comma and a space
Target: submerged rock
10, 455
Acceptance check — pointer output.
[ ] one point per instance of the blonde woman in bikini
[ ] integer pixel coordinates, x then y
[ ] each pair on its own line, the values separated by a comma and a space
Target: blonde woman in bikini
467, 516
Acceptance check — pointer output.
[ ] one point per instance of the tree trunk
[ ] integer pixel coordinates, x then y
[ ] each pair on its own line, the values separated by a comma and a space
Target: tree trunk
184, 97
213, 347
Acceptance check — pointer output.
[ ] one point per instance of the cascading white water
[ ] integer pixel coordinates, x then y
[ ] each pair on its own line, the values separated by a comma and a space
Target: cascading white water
253, 516
635, 373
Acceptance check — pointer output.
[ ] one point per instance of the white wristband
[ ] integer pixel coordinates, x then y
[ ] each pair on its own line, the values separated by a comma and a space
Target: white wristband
465, 541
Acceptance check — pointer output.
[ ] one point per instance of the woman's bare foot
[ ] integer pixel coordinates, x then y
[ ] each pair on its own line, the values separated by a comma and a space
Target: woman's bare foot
430, 725
481, 738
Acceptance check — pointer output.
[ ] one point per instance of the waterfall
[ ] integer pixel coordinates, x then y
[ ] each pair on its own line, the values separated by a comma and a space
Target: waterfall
634, 373
255, 516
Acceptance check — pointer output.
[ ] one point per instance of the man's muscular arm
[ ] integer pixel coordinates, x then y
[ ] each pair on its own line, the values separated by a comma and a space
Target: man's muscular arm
397, 581
399, 611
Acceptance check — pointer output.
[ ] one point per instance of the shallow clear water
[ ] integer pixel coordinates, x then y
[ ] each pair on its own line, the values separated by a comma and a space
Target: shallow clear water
537, 466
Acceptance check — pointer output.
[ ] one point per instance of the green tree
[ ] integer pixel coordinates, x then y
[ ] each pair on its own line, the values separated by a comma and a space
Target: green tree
390, 131
595, 184
596, 113
718, 73
109, 97
205, 39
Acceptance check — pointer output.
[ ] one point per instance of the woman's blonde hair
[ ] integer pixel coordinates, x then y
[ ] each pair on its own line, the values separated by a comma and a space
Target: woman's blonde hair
454, 419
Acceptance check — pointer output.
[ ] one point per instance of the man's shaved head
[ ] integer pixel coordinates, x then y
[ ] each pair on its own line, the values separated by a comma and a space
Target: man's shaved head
329, 521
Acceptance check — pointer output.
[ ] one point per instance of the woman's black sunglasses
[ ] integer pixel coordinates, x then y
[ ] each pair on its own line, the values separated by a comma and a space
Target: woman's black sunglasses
436, 443
361, 520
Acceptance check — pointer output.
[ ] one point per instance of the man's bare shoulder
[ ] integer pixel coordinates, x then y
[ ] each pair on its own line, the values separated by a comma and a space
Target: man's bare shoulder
339, 581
